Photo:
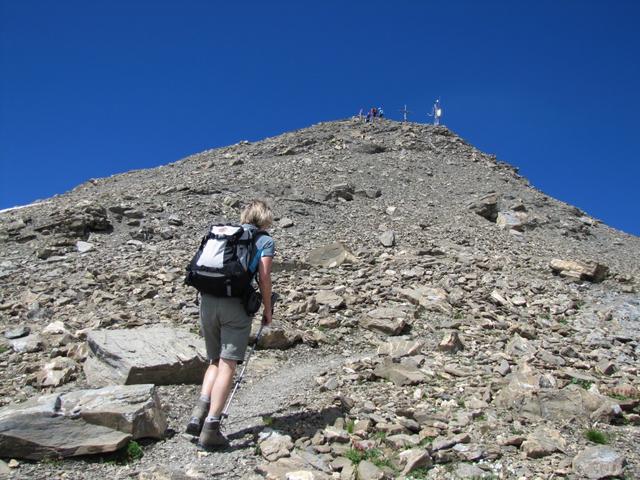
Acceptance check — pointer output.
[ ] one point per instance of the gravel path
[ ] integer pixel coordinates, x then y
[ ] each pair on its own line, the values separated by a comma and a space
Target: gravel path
274, 389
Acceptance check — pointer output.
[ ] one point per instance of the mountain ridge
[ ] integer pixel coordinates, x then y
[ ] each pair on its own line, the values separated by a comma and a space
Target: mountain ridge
450, 248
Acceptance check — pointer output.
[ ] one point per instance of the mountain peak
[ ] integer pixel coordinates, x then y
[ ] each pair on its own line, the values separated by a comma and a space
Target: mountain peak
428, 291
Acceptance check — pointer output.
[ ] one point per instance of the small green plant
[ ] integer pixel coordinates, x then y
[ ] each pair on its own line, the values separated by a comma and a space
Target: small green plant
3, 348
586, 384
461, 402
54, 461
457, 316
130, 453
617, 396
383, 463
426, 441
418, 474
351, 424
356, 456
267, 421
481, 418
134, 451
380, 435
562, 321
596, 436
372, 454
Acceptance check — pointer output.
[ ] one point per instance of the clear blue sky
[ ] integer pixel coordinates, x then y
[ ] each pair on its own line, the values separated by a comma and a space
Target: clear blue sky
93, 88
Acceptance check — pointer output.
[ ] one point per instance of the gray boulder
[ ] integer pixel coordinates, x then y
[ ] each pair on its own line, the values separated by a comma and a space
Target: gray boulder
400, 374
329, 298
511, 220
388, 238
286, 222
274, 445
368, 471
158, 355
390, 321
414, 458
451, 342
542, 442
431, 298
133, 409
278, 338
369, 148
80, 423
331, 256
527, 393
400, 348
57, 372
343, 191
295, 468
598, 462
591, 271
29, 344
17, 332
486, 207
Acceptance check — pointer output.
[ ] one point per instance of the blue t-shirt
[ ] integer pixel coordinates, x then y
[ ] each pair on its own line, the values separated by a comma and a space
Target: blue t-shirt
265, 247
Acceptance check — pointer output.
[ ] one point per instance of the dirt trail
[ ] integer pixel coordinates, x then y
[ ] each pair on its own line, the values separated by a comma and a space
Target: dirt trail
280, 393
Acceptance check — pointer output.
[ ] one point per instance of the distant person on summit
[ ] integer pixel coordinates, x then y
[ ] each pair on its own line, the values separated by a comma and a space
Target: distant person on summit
436, 112
226, 322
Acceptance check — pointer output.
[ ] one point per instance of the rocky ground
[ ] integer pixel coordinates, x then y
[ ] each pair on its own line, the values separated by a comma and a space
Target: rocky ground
466, 326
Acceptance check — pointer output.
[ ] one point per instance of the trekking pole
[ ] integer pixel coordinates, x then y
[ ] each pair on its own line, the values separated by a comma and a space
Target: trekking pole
236, 386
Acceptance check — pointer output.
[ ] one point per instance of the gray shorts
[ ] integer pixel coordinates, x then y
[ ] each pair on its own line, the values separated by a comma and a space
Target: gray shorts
225, 327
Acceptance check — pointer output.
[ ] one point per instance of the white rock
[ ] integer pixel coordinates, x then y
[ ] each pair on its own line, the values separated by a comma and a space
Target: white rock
84, 247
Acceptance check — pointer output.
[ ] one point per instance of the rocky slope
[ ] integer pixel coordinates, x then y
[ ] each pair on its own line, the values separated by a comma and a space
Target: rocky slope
468, 348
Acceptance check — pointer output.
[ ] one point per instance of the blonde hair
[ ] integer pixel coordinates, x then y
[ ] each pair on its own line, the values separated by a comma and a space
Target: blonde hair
257, 213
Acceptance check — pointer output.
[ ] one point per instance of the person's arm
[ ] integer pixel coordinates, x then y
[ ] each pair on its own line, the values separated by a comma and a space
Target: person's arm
264, 275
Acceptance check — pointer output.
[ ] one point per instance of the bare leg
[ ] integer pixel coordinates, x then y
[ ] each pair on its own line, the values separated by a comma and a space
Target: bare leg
211, 436
203, 404
209, 379
221, 386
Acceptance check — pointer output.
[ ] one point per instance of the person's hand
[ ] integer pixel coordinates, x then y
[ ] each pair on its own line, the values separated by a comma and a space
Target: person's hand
266, 318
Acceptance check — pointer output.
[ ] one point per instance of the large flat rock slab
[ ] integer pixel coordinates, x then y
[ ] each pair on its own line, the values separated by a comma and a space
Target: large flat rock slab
42, 436
158, 355
80, 423
133, 409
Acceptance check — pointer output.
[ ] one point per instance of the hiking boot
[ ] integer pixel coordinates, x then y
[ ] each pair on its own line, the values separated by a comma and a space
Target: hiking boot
198, 415
211, 436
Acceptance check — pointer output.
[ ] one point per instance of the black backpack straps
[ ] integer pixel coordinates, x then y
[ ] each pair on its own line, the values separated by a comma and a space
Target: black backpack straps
206, 237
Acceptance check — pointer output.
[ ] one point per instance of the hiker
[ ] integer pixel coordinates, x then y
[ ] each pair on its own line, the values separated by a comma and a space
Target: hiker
361, 115
436, 112
226, 327
380, 112
372, 114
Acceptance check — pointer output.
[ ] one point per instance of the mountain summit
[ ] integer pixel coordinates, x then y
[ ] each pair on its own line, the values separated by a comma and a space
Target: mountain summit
439, 314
